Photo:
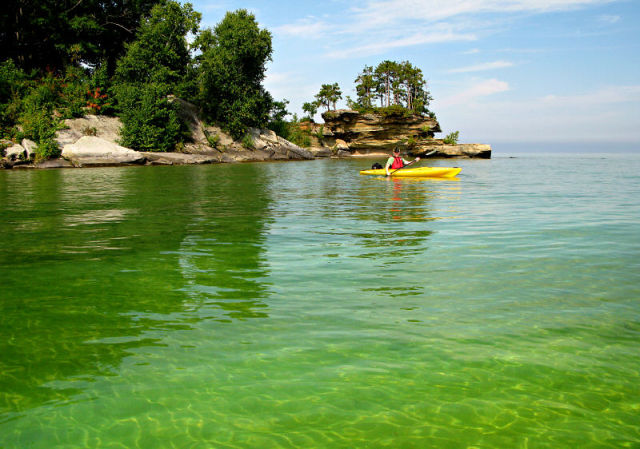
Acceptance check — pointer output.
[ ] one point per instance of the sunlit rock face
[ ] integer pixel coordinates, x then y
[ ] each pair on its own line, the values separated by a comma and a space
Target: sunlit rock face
371, 133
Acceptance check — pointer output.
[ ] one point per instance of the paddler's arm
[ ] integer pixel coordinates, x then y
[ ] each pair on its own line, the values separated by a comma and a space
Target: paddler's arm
388, 164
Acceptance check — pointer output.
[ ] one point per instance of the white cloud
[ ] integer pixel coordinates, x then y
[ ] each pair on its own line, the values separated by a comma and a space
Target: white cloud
609, 19
293, 86
482, 67
416, 39
309, 28
475, 91
378, 12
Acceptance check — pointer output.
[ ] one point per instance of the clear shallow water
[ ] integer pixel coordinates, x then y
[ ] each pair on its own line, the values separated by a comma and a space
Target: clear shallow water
302, 305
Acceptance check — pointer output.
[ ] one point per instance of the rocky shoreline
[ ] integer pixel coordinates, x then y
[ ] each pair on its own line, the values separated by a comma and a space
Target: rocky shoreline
91, 141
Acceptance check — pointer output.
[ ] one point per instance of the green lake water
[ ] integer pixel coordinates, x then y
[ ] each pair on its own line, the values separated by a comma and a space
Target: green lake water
301, 305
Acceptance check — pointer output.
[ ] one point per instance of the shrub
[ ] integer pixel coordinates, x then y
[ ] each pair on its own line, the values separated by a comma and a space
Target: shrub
213, 140
12, 87
47, 149
98, 98
38, 124
395, 110
299, 136
150, 121
71, 92
247, 142
89, 131
452, 138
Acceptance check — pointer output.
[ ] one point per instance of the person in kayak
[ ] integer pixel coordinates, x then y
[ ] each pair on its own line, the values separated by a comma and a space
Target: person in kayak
395, 161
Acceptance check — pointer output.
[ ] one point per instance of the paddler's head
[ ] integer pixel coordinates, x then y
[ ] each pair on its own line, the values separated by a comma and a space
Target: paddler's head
396, 151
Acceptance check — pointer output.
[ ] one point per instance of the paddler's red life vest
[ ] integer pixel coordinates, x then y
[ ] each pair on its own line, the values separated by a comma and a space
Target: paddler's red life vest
397, 162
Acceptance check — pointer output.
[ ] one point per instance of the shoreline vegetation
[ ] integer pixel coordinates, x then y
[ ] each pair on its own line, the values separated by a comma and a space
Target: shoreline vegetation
143, 84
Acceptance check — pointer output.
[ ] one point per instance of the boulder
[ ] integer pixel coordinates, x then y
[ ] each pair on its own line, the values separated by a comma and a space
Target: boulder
91, 151
320, 152
30, 147
16, 153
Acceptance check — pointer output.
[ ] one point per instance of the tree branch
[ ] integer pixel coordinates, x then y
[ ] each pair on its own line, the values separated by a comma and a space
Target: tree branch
118, 25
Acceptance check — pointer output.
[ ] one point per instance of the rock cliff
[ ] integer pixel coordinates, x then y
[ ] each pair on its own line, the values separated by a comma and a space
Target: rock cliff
354, 133
93, 141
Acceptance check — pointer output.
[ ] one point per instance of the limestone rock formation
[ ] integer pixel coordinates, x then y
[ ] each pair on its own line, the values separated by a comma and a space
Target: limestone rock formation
437, 148
353, 133
372, 133
107, 128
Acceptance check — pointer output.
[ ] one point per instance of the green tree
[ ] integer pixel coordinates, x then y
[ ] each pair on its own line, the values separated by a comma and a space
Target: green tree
384, 76
160, 53
277, 115
13, 84
150, 121
231, 69
394, 84
58, 33
452, 138
329, 94
366, 86
311, 108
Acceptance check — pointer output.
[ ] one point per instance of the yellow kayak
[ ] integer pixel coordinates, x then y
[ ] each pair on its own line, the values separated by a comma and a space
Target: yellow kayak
418, 172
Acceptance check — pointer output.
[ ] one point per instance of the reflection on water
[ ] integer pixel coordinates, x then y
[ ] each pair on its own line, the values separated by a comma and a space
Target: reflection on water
222, 258
94, 261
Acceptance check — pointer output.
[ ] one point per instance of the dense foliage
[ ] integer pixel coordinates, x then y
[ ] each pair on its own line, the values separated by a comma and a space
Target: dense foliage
69, 58
328, 96
160, 53
154, 66
393, 83
150, 121
59, 33
400, 88
231, 69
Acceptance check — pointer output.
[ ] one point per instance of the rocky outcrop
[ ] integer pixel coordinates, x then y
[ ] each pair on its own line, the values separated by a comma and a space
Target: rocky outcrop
107, 128
93, 141
91, 151
370, 132
212, 141
354, 133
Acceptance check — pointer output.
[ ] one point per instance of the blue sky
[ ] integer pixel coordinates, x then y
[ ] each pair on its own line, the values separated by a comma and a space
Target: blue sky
499, 70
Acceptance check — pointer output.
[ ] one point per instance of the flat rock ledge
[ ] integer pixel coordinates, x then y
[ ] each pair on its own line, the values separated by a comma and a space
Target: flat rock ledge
91, 151
462, 150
